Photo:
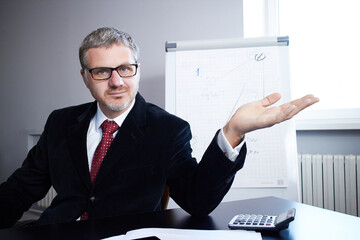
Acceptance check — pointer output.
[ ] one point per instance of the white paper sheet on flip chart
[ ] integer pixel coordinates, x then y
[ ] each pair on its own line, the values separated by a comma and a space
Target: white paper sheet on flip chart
212, 84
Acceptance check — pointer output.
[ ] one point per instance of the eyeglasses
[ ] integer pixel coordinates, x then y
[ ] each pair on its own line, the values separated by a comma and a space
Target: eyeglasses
104, 73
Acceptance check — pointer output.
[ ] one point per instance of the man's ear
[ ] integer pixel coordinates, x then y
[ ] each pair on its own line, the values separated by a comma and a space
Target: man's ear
138, 71
82, 72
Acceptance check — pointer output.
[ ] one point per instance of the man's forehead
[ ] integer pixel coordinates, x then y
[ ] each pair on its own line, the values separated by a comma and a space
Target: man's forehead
111, 48
105, 54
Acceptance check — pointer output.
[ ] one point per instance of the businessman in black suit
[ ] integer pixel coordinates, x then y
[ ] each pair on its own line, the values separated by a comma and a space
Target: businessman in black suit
150, 149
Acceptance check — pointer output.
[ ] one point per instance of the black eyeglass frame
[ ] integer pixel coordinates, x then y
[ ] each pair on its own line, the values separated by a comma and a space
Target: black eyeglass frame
112, 69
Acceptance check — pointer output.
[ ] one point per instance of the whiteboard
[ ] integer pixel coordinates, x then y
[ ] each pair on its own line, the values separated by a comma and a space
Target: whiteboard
206, 86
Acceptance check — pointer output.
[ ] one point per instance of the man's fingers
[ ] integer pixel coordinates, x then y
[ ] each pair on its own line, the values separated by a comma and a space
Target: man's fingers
270, 99
302, 103
305, 101
294, 107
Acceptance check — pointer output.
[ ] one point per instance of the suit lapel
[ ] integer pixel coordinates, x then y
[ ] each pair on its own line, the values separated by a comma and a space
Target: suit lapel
77, 144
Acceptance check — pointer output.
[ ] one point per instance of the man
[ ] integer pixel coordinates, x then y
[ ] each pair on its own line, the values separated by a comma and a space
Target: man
147, 149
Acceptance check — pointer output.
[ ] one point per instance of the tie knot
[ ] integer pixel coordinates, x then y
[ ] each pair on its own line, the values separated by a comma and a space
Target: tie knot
109, 127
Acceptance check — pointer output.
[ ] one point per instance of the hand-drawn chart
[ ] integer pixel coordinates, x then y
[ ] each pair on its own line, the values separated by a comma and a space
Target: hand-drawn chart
212, 84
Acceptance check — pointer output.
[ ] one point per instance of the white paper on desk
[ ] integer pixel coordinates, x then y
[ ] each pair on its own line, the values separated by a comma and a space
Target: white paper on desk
182, 234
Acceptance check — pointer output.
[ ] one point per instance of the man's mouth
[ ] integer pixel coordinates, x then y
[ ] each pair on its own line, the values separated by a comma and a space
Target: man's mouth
117, 93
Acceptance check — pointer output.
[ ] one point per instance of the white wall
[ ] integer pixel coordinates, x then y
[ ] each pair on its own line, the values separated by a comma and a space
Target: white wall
39, 65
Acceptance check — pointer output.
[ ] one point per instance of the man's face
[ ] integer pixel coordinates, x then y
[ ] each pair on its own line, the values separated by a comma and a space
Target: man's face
115, 94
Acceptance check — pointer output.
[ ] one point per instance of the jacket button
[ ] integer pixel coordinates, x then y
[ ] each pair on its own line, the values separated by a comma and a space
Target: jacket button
92, 199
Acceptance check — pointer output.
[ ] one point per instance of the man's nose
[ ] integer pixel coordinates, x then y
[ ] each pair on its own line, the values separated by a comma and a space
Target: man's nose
115, 79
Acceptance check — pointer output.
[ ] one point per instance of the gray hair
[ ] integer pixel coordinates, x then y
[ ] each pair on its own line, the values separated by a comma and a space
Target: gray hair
106, 37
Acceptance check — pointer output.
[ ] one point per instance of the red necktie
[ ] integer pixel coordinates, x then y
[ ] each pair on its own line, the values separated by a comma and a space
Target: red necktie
108, 129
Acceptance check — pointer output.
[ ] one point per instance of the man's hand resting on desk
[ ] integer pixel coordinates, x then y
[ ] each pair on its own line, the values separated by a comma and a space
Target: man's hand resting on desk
259, 114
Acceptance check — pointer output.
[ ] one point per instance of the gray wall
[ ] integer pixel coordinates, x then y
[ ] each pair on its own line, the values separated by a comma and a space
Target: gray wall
329, 142
39, 66
39, 62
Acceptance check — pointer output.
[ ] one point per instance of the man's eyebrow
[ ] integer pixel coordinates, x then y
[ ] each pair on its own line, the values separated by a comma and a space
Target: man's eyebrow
123, 64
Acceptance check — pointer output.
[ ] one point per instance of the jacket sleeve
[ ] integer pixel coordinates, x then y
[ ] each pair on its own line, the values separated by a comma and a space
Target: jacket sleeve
199, 187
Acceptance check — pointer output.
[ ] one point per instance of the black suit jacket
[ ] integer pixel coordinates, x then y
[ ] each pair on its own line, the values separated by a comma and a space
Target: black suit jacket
152, 148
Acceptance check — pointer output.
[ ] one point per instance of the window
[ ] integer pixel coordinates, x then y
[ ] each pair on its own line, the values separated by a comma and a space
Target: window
324, 55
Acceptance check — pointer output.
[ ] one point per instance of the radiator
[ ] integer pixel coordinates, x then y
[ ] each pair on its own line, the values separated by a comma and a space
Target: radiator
331, 182
46, 201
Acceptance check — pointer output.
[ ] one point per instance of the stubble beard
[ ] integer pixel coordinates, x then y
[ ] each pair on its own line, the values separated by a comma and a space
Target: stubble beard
115, 108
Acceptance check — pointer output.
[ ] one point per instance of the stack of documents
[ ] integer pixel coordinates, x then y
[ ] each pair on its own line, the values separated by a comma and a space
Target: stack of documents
182, 234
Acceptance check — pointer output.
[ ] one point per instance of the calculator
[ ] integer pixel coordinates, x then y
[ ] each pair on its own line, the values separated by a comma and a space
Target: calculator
260, 222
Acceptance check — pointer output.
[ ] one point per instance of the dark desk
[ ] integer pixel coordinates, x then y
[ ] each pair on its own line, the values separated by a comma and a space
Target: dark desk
310, 222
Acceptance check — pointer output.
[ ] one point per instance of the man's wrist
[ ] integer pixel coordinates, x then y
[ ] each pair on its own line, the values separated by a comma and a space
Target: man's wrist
234, 139
230, 152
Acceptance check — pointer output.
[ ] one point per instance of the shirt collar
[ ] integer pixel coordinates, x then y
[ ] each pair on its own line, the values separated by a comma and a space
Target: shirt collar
100, 116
